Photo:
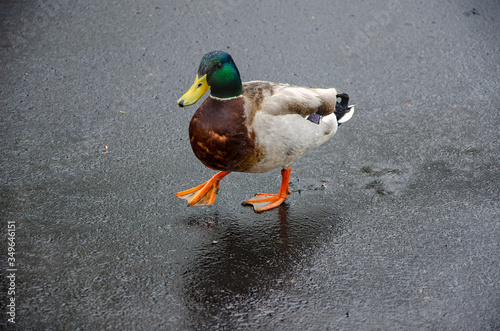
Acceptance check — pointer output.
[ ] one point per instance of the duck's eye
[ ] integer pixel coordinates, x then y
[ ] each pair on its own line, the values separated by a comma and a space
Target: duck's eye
219, 65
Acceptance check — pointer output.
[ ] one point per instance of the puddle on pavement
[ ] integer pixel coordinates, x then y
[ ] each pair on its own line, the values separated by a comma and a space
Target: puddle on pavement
249, 257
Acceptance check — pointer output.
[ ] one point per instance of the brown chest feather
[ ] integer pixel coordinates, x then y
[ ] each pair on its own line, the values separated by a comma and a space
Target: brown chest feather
219, 137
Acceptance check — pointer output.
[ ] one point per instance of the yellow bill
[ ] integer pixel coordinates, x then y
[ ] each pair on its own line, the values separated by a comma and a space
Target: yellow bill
195, 92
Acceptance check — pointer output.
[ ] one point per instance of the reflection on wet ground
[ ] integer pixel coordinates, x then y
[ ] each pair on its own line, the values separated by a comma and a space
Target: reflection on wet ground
248, 259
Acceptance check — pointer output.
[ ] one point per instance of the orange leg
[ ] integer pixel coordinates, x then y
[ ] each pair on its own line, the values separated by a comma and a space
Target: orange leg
204, 194
262, 201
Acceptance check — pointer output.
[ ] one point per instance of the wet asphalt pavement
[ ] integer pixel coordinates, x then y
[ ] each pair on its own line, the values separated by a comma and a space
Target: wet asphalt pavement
394, 224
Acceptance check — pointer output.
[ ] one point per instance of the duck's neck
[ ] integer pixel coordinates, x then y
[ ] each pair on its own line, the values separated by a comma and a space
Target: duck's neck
225, 99
229, 89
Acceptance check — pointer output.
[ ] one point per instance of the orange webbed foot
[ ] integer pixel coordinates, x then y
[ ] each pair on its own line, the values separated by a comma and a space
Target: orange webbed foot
204, 194
262, 201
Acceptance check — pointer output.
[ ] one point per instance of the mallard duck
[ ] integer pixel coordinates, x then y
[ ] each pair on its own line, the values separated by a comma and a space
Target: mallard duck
255, 127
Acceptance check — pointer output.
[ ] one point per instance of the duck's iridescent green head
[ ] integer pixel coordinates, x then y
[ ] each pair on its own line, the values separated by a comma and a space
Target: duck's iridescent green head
217, 72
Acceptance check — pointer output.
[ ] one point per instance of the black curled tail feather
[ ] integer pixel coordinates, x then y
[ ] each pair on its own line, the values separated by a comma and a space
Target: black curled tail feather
342, 108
